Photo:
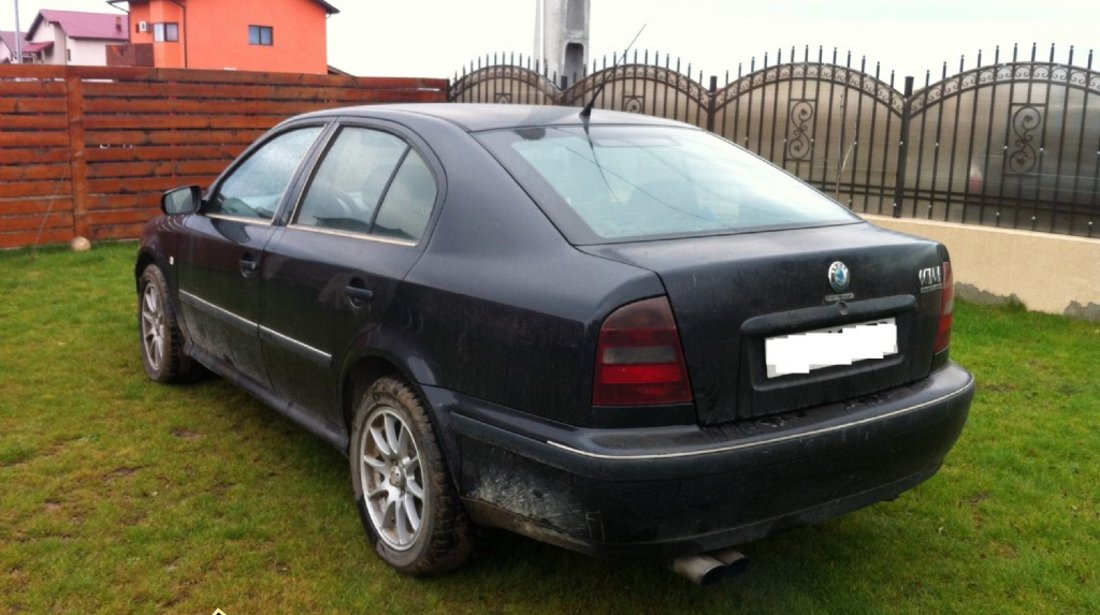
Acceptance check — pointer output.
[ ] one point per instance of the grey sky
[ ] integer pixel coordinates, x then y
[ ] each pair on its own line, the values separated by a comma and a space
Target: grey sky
435, 38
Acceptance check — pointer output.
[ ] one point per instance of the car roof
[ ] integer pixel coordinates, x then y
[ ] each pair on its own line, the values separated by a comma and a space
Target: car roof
474, 117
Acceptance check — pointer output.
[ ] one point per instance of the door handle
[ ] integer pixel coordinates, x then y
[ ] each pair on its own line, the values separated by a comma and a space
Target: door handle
358, 294
248, 265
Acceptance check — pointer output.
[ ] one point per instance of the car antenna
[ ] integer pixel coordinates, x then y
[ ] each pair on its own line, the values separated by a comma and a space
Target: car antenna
587, 110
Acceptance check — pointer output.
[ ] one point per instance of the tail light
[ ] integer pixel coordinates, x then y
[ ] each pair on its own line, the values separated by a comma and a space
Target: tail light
639, 360
947, 310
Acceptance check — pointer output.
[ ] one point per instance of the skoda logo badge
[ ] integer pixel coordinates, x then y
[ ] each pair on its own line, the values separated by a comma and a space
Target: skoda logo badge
839, 277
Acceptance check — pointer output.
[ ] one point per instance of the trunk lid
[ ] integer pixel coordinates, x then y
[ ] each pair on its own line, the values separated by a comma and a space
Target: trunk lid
730, 293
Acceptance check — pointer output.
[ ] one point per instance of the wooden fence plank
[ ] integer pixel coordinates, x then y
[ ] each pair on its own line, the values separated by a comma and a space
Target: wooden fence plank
147, 200
37, 122
61, 187
19, 239
31, 172
330, 95
32, 71
19, 106
10, 207
122, 216
165, 152
176, 122
32, 88
31, 139
268, 108
54, 219
143, 184
171, 137
155, 168
40, 155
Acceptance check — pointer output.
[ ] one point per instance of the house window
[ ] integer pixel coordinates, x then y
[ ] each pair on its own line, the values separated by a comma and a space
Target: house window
166, 32
261, 35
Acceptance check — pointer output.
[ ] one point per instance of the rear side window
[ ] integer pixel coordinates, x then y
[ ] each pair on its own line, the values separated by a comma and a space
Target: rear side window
255, 188
370, 182
408, 203
622, 183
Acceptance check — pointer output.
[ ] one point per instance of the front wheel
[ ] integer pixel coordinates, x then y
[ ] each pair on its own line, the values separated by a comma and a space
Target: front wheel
402, 488
161, 338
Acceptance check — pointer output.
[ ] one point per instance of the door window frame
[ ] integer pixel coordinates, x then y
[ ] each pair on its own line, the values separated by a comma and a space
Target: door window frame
415, 143
290, 193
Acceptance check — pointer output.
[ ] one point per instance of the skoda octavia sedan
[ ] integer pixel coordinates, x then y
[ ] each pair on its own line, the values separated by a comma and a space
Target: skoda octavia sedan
618, 334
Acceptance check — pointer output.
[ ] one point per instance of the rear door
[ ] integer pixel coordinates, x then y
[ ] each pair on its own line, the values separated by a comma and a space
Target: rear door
330, 275
221, 251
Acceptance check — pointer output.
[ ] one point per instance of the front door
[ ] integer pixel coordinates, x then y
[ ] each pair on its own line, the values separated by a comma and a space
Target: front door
221, 252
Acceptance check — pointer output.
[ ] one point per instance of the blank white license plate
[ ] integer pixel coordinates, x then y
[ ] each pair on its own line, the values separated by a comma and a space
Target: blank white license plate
802, 353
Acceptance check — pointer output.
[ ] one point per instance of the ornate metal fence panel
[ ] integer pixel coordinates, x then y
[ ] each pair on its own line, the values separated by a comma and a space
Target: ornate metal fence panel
834, 126
1014, 144
644, 88
508, 84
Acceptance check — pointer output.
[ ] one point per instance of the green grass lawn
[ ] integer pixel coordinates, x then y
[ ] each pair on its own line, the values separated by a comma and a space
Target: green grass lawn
119, 495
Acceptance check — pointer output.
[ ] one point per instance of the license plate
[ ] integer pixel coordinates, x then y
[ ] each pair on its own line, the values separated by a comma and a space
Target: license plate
802, 353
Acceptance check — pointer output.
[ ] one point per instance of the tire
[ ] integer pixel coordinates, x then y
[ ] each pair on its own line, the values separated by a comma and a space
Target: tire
412, 516
161, 338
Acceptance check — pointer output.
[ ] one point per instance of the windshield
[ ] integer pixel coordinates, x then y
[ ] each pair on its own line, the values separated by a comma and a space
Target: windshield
622, 183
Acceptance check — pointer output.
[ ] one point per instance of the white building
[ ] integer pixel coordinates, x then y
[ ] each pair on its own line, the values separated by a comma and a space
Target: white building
71, 37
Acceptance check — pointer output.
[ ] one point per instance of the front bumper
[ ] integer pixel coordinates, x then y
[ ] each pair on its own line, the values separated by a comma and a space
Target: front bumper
667, 491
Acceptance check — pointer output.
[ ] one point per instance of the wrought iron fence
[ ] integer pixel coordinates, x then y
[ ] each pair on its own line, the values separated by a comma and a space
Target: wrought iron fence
1015, 143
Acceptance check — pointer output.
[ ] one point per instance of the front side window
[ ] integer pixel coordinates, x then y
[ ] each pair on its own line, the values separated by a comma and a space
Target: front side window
255, 188
370, 182
261, 35
166, 32
623, 183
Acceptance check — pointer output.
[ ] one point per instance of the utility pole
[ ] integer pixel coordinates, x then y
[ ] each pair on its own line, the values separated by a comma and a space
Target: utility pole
561, 37
18, 36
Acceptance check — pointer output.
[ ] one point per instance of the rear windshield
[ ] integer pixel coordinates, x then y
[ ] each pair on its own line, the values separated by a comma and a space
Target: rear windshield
625, 183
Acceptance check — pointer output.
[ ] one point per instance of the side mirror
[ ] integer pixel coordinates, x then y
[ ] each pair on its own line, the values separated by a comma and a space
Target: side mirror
184, 200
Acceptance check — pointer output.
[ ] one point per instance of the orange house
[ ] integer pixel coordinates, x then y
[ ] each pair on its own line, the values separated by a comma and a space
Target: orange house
255, 35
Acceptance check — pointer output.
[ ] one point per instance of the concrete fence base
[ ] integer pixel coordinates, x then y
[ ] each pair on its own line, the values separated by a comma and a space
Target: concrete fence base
1057, 274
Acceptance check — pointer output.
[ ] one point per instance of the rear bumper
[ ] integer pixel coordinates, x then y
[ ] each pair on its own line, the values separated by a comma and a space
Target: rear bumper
666, 491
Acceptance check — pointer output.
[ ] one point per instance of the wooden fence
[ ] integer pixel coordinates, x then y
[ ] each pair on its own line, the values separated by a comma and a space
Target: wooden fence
87, 151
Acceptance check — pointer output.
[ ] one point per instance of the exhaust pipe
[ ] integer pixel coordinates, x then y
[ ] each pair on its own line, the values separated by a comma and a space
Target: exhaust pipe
708, 568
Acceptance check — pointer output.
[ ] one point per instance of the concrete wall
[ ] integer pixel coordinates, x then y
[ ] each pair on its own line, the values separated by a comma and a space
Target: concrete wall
1057, 274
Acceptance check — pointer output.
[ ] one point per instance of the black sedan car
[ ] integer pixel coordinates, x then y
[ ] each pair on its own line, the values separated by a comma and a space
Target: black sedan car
618, 334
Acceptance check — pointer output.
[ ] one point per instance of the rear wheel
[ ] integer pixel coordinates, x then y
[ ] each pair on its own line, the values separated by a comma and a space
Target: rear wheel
402, 488
161, 338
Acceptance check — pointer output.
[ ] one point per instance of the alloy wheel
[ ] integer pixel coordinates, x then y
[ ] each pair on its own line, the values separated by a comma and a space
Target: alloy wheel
152, 326
392, 480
